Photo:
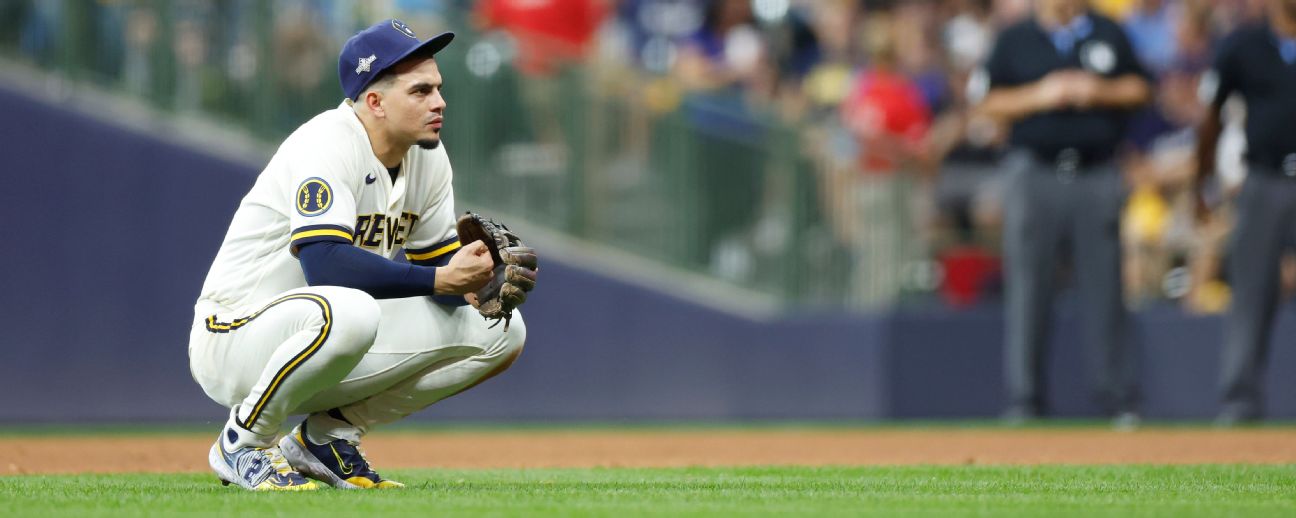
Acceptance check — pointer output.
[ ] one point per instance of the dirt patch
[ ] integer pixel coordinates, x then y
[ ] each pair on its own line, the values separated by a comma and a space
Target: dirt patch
658, 448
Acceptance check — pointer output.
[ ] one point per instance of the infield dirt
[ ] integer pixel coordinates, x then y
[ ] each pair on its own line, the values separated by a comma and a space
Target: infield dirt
673, 448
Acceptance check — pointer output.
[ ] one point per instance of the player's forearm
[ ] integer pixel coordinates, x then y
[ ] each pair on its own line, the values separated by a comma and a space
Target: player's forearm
340, 264
1208, 133
1127, 91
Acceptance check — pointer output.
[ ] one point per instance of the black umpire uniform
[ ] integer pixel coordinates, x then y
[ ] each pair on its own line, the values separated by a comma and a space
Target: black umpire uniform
1064, 194
1259, 64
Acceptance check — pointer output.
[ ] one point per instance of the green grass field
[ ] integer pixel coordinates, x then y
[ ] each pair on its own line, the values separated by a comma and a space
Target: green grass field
1204, 490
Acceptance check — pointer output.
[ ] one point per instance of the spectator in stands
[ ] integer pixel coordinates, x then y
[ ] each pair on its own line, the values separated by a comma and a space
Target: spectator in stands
727, 51
725, 70
1158, 225
303, 63
548, 38
137, 63
549, 33
964, 151
872, 205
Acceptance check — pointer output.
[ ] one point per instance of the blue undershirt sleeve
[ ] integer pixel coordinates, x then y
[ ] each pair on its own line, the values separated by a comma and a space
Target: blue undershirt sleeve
328, 263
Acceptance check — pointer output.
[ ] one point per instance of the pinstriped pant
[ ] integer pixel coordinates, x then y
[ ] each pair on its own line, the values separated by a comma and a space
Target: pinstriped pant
323, 347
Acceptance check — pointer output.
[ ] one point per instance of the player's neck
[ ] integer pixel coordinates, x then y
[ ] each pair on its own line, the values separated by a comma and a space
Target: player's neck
390, 155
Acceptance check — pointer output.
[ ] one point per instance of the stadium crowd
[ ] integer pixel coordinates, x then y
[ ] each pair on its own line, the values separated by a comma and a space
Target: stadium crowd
907, 173
882, 88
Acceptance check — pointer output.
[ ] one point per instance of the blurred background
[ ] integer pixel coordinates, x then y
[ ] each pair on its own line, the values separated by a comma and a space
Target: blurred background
748, 209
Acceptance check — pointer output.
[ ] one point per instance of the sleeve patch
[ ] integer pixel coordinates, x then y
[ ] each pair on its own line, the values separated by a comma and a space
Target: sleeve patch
314, 197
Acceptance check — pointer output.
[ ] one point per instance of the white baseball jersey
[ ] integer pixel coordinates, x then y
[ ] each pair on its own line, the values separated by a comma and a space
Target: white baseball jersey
325, 184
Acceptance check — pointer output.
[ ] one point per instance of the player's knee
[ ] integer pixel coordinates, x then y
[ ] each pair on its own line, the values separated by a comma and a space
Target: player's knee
354, 317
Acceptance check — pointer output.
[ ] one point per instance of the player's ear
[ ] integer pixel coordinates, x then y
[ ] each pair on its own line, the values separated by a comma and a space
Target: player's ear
373, 100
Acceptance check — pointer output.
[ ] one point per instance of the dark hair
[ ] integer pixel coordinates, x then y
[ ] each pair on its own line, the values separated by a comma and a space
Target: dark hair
383, 80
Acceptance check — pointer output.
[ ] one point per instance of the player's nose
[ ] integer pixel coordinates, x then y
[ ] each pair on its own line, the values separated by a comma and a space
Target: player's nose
437, 102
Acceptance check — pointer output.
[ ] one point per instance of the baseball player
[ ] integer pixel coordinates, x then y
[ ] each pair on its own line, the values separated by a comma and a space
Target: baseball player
1064, 79
1258, 63
305, 309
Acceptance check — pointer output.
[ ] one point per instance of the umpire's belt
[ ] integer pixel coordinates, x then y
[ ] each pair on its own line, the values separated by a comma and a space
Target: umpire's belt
1069, 162
1279, 165
1070, 157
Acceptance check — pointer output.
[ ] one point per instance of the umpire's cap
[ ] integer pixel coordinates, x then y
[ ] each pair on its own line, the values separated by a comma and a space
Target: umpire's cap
367, 54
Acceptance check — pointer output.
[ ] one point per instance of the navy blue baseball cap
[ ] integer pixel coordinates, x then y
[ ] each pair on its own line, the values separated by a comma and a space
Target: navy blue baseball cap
367, 54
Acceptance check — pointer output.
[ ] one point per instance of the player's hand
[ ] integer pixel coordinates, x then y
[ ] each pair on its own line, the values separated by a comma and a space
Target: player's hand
468, 270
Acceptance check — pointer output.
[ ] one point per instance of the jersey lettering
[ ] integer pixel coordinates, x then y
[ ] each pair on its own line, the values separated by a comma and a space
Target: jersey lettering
374, 236
374, 230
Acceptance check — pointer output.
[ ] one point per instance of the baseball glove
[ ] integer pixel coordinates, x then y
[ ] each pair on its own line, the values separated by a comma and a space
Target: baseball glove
515, 267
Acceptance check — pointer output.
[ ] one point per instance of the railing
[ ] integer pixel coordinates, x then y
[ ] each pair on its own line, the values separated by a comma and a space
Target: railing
605, 153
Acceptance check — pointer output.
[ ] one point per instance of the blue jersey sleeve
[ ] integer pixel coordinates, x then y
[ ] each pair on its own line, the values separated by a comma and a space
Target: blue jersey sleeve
340, 264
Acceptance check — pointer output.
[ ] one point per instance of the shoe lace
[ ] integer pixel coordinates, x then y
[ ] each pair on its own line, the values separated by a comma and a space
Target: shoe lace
278, 462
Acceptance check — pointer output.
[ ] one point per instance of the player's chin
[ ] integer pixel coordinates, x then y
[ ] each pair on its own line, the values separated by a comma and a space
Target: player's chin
429, 142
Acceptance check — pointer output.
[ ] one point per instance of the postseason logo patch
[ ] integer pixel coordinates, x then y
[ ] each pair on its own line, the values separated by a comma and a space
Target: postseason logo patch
314, 196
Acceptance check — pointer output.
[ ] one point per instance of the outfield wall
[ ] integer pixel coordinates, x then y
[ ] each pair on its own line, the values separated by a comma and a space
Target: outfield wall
112, 231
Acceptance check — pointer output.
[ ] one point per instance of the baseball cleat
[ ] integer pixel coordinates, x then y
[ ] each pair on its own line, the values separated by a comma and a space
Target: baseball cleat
257, 469
337, 463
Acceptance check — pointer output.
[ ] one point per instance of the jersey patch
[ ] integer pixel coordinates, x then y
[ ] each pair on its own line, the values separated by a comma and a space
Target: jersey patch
314, 196
1098, 56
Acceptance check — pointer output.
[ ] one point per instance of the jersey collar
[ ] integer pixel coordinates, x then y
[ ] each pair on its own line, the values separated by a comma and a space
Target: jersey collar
1064, 38
1286, 46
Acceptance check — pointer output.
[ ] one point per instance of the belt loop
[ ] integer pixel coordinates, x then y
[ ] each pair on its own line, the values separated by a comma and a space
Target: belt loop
1289, 165
1068, 163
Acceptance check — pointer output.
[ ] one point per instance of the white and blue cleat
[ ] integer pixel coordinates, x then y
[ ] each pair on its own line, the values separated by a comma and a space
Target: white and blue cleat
257, 469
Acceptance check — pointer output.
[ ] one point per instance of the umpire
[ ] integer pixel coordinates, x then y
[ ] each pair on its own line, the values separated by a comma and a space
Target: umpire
1258, 63
1064, 80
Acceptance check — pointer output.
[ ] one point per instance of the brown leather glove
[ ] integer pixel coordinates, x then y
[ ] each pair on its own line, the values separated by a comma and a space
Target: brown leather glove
515, 267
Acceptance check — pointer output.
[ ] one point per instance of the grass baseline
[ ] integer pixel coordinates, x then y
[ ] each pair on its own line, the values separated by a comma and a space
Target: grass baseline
1132, 490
